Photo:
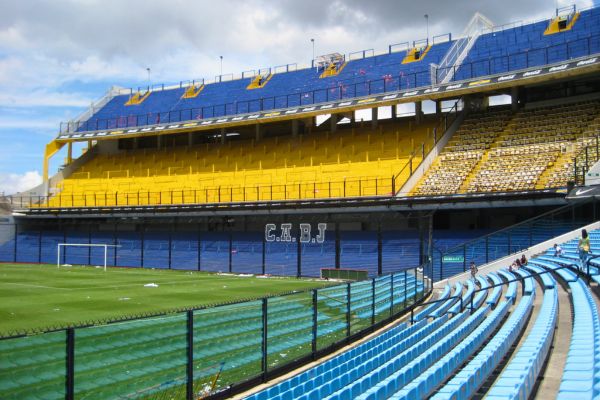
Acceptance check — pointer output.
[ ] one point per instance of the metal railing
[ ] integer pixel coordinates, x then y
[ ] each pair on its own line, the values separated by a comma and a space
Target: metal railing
519, 278
350, 89
522, 60
187, 345
513, 239
361, 187
585, 160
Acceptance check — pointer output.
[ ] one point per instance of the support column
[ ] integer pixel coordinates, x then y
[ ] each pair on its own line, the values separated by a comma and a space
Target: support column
223, 133
394, 111
438, 108
295, 128
190, 139
514, 94
69, 152
374, 117
159, 141
418, 112
136, 143
485, 103
258, 132
333, 120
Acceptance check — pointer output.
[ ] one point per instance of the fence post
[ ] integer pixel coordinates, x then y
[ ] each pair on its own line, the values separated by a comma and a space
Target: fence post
392, 295
348, 301
405, 291
373, 301
190, 356
264, 340
70, 365
471, 301
314, 323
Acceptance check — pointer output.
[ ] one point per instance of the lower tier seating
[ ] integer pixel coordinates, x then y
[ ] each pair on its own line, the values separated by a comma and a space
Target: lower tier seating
453, 352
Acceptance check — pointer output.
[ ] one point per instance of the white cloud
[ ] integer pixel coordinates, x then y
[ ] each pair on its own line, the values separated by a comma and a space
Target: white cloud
42, 98
14, 183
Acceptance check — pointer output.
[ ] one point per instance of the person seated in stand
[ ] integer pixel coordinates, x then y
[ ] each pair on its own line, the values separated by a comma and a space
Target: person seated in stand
517, 263
523, 260
558, 251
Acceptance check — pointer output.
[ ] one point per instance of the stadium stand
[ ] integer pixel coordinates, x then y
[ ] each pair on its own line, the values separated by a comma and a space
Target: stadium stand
362, 162
434, 356
113, 360
504, 49
531, 149
489, 336
359, 77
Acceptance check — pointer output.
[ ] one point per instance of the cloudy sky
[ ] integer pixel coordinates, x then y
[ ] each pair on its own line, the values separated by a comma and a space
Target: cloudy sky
58, 56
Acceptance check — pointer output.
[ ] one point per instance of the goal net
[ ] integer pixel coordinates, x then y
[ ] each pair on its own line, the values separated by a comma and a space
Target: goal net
61, 247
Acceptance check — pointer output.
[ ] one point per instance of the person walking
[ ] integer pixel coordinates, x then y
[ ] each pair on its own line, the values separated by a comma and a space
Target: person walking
474, 270
584, 247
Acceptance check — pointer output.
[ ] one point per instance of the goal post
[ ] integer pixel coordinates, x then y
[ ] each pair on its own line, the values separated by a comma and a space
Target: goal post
105, 246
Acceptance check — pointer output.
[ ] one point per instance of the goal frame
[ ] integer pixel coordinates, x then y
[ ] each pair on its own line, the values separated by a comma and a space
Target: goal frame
106, 246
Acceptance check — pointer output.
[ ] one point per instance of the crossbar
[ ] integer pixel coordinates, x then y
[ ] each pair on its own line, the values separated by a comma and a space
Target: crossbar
105, 246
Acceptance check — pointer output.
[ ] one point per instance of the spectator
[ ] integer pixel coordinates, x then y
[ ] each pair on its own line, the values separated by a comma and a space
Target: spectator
517, 263
584, 247
523, 260
474, 270
558, 251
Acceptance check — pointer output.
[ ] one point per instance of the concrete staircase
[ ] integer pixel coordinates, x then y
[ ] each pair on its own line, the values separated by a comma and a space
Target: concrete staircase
557, 165
465, 185
486, 155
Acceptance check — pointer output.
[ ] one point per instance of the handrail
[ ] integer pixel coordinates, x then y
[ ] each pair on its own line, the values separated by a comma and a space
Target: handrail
492, 286
453, 111
509, 228
338, 91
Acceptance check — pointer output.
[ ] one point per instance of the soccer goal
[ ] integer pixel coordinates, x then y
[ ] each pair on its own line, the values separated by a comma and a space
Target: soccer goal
105, 246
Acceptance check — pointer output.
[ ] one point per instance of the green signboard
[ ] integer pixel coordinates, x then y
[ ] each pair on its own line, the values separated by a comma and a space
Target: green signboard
453, 259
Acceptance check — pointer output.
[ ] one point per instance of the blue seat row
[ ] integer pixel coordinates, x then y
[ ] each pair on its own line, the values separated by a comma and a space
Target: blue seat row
547, 280
469, 379
518, 378
423, 359
551, 263
497, 291
428, 309
339, 378
580, 377
528, 283
384, 371
423, 385
385, 340
444, 306
466, 298
511, 292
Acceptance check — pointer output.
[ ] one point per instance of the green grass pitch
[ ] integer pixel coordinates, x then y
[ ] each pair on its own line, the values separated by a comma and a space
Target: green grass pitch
34, 297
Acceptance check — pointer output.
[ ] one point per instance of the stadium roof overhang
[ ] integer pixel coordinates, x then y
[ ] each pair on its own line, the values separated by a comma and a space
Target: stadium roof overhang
546, 197
500, 82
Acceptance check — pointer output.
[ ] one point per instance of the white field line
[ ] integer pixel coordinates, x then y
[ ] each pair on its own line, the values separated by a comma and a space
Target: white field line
140, 284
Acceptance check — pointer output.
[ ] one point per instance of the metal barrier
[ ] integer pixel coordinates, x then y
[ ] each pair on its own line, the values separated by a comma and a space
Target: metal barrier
350, 89
515, 238
179, 355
